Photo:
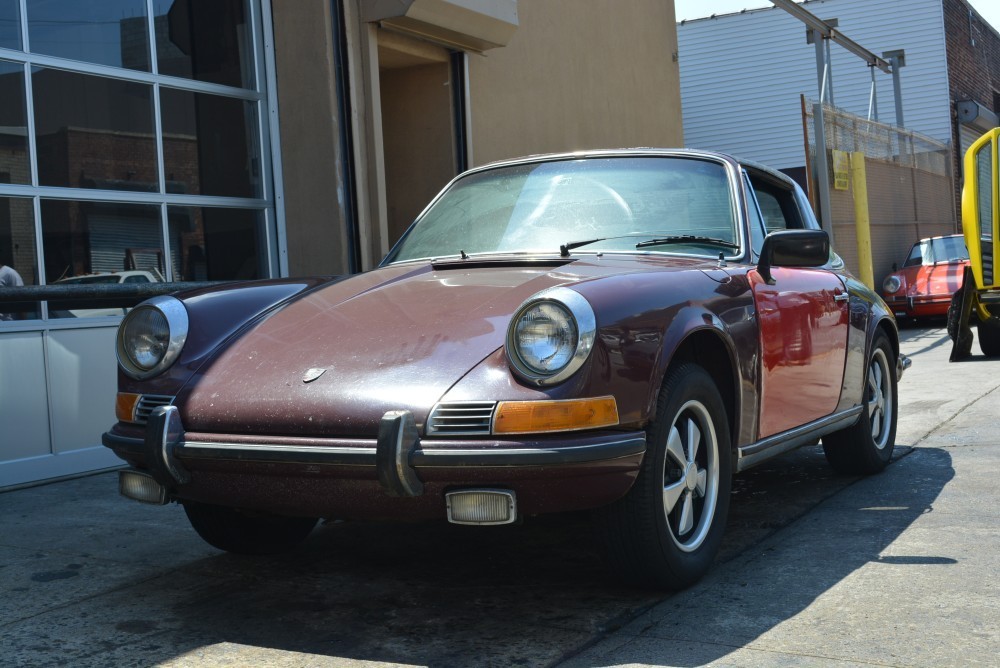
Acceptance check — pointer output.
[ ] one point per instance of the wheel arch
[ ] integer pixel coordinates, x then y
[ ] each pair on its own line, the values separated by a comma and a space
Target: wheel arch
709, 348
886, 326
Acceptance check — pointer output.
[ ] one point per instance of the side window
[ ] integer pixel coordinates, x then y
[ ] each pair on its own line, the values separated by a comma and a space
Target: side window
916, 256
777, 203
774, 219
757, 231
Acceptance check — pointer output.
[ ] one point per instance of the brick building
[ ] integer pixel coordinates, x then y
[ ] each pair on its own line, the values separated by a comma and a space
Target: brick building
973, 49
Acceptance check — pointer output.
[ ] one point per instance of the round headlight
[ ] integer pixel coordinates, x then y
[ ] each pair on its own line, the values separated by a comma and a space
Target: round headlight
545, 337
551, 336
151, 336
891, 284
146, 336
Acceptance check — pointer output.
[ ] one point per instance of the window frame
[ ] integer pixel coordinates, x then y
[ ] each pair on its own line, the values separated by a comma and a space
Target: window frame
263, 125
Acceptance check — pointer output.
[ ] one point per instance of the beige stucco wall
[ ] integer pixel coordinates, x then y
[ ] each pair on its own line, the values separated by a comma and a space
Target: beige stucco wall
307, 108
578, 74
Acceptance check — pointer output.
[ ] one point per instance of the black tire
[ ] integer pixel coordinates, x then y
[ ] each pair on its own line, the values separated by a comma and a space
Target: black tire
243, 533
866, 446
954, 329
988, 334
648, 543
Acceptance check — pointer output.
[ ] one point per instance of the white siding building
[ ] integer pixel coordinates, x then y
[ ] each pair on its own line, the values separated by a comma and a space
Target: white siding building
742, 74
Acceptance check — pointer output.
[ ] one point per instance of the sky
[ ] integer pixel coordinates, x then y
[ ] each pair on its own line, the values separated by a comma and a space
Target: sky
696, 9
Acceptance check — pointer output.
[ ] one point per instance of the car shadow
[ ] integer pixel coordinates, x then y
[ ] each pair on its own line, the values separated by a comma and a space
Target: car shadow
780, 578
441, 595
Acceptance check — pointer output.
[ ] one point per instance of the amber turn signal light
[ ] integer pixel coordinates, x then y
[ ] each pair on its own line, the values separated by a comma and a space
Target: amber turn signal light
125, 406
531, 417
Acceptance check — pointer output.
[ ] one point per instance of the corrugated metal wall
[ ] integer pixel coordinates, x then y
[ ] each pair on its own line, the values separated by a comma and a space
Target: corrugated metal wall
742, 74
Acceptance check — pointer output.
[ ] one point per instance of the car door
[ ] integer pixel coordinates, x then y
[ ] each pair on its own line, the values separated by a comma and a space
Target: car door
802, 316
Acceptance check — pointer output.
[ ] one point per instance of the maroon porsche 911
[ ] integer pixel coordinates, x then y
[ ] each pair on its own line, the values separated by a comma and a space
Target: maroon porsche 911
616, 331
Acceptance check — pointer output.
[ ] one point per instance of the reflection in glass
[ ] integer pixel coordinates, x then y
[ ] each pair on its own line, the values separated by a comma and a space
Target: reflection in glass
100, 241
207, 41
216, 244
109, 32
14, 163
93, 132
209, 144
17, 255
10, 27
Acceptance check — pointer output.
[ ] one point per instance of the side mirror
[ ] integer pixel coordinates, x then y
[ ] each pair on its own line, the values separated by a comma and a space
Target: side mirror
793, 248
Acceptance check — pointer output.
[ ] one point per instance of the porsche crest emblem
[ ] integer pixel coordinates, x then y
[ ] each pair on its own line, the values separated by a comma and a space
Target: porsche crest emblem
312, 374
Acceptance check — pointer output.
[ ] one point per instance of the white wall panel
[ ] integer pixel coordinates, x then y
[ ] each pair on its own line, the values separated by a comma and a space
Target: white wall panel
24, 418
81, 373
83, 383
742, 74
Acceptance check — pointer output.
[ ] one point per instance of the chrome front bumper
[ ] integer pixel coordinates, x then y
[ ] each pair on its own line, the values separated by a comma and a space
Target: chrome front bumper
397, 456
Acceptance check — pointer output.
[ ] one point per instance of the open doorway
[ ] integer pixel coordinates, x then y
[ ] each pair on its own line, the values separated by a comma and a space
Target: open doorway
422, 127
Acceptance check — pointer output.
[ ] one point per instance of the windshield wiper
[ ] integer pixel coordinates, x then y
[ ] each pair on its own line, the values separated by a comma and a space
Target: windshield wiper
564, 249
686, 239
567, 247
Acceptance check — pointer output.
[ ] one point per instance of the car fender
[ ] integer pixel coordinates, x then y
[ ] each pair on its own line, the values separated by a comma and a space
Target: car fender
219, 313
868, 314
683, 341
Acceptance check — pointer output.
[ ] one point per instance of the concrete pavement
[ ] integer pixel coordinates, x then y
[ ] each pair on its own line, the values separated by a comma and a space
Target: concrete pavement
899, 569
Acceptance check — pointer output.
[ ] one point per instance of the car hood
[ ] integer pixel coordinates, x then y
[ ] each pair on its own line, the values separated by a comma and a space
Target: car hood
943, 278
335, 360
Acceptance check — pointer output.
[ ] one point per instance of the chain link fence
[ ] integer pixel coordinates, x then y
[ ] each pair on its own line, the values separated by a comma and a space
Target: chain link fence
909, 179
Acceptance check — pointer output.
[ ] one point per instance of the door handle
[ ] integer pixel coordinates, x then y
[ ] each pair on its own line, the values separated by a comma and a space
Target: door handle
842, 297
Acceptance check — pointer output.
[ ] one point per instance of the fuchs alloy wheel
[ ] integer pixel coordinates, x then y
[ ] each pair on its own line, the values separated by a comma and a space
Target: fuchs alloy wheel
666, 531
247, 533
866, 446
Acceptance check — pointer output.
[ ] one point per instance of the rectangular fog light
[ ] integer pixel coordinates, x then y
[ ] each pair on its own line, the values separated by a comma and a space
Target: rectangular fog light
141, 487
481, 506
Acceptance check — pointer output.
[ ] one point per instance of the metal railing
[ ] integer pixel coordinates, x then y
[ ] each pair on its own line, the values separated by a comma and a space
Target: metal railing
94, 296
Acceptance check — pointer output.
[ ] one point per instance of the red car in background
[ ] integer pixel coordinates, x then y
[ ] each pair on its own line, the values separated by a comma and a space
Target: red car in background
930, 275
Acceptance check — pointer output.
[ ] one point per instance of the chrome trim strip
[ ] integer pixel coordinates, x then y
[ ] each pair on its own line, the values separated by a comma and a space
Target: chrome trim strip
421, 456
755, 453
629, 446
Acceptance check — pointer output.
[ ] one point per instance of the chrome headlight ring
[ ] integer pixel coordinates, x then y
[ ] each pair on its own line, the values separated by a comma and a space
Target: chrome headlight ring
160, 338
579, 319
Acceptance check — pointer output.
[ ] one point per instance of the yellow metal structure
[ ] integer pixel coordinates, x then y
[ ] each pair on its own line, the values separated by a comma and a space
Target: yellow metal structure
862, 221
981, 228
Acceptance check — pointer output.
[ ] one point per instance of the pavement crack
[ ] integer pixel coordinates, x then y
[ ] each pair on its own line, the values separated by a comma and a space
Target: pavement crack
954, 415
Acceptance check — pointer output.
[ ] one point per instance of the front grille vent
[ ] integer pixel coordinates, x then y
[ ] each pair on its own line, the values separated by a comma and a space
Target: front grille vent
147, 403
461, 418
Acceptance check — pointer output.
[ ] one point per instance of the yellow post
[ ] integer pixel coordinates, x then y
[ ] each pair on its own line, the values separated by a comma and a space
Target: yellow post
861, 220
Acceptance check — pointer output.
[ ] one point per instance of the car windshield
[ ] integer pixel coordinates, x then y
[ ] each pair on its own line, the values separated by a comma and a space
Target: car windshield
612, 203
939, 250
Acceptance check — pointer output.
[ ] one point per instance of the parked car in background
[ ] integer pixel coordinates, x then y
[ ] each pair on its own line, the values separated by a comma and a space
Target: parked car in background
612, 331
105, 278
930, 275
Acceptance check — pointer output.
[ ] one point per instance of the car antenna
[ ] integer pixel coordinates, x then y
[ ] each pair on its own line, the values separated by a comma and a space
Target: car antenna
722, 260
464, 255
